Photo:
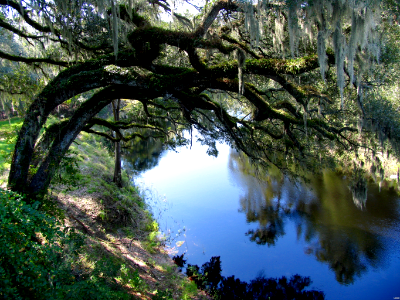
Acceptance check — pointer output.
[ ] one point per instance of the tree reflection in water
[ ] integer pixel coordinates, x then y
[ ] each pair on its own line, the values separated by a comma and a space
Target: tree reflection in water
146, 155
140, 155
272, 227
209, 278
336, 232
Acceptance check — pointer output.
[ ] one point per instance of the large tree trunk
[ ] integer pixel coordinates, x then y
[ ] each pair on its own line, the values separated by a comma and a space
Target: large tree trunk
69, 83
117, 169
41, 180
38, 183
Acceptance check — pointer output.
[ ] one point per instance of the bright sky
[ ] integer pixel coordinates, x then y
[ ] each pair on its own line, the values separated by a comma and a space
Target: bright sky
182, 6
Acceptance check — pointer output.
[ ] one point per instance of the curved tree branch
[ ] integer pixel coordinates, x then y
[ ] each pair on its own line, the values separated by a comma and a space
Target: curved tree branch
25, 15
18, 32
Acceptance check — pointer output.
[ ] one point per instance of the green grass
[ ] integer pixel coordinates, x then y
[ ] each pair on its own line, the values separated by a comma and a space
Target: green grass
13, 121
8, 137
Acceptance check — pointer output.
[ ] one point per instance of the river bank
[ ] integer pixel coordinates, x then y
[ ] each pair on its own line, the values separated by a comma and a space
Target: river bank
116, 225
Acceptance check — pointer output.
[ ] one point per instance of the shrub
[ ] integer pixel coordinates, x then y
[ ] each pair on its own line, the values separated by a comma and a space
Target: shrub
37, 257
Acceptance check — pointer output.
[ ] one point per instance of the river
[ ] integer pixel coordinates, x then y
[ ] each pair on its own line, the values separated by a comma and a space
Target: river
273, 227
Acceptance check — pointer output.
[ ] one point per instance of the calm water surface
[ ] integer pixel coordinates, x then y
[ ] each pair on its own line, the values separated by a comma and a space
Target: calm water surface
274, 227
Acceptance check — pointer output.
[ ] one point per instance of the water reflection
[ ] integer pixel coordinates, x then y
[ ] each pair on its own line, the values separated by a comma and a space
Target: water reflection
209, 278
271, 225
349, 253
336, 232
313, 230
142, 155
359, 190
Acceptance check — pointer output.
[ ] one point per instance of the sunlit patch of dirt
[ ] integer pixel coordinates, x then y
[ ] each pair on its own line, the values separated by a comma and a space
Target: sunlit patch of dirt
156, 270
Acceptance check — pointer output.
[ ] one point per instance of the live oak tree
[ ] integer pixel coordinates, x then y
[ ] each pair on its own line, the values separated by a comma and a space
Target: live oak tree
282, 81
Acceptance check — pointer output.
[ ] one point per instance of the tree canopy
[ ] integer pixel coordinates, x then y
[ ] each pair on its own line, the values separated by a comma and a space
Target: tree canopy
289, 83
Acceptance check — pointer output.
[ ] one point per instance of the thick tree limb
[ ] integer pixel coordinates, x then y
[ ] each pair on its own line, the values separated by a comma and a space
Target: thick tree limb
211, 16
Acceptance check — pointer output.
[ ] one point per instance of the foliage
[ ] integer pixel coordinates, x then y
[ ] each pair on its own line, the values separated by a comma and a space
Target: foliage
8, 132
285, 82
163, 295
38, 258
153, 240
68, 171
131, 278
18, 83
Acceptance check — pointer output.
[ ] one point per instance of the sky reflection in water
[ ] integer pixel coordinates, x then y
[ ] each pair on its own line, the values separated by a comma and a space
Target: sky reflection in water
275, 227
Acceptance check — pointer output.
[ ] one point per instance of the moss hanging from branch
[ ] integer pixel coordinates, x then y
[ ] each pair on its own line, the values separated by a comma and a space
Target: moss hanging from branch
321, 49
241, 58
339, 42
114, 18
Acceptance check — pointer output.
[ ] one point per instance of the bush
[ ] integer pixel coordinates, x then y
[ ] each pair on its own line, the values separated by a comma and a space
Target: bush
37, 257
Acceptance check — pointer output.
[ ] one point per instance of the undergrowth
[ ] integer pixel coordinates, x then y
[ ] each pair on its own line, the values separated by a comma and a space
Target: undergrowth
76, 243
37, 257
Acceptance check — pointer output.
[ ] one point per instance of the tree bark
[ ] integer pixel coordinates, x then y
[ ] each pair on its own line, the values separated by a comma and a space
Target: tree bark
41, 179
117, 169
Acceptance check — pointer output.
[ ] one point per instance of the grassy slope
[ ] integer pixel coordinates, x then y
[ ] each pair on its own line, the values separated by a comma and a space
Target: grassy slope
118, 228
7, 139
